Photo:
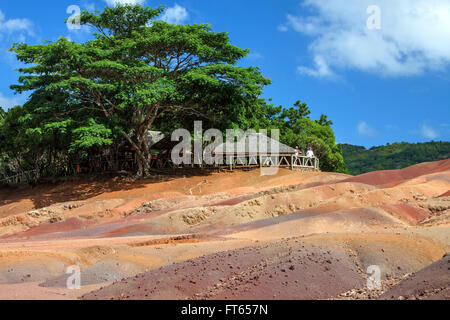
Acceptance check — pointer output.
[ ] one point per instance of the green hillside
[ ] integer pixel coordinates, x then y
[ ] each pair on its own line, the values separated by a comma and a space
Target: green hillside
392, 156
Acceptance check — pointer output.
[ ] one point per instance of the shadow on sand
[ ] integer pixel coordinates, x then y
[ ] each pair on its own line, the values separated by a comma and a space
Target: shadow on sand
83, 187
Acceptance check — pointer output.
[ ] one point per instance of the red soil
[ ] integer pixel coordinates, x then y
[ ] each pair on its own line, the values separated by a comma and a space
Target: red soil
16, 201
431, 283
282, 270
406, 212
334, 232
70, 224
447, 194
395, 177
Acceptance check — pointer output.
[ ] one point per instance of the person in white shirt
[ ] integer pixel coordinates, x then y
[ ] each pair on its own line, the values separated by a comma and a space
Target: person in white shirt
310, 155
297, 154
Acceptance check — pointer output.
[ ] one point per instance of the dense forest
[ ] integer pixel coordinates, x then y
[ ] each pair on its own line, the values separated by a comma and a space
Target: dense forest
392, 156
138, 73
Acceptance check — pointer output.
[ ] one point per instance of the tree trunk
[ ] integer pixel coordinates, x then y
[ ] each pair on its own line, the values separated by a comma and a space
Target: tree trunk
143, 154
140, 172
142, 158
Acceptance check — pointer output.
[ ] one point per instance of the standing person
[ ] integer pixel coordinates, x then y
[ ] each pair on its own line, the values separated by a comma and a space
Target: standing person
297, 154
310, 155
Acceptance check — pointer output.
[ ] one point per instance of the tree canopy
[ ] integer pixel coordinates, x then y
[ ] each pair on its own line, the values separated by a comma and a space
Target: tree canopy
134, 71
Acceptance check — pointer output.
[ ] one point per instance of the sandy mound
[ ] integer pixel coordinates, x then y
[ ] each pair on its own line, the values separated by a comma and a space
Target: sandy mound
283, 270
112, 199
447, 194
304, 224
394, 177
103, 272
318, 267
232, 235
431, 283
20, 267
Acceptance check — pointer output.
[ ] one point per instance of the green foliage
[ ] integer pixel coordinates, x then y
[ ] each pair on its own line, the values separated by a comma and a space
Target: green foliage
137, 72
393, 156
90, 135
20, 146
120, 20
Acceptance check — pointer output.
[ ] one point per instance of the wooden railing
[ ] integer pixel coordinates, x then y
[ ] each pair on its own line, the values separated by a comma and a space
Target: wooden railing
291, 161
27, 176
303, 162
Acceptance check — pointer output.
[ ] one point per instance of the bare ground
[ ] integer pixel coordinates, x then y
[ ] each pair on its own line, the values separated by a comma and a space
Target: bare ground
230, 236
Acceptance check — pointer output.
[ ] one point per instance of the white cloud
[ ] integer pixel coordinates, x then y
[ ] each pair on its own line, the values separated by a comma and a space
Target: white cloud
114, 2
365, 130
321, 68
176, 15
428, 132
411, 40
7, 103
20, 28
283, 28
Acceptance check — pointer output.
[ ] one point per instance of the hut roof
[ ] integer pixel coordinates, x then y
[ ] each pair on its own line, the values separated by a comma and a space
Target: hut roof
153, 137
165, 144
254, 144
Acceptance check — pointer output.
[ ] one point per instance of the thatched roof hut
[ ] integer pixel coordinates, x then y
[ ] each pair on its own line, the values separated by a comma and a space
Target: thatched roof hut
254, 144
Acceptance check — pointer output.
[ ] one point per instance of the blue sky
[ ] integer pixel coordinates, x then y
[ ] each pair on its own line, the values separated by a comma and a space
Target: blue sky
380, 73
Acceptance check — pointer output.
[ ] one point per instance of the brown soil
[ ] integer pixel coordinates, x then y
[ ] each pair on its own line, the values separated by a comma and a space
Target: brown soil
431, 283
447, 194
395, 177
223, 235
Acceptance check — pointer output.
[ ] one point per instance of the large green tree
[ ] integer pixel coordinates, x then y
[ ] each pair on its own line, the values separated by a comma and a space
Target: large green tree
136, 71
